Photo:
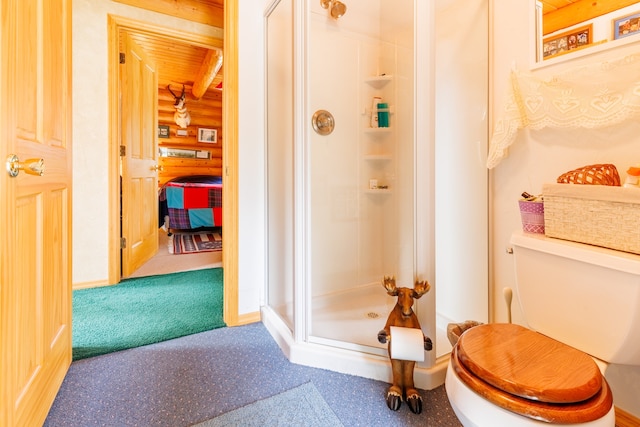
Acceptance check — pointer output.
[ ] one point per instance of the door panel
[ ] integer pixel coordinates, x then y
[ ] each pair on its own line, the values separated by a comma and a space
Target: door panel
139, 178
35, 123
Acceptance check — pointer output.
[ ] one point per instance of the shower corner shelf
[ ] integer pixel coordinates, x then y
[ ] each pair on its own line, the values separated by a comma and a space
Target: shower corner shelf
377, 157
378, 191
378, 80
377, 130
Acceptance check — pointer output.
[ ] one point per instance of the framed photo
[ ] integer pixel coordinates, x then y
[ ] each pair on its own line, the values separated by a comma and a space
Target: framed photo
163, 131
626, 26
184, 153
208, 135
567, 42
182, 132
177, 152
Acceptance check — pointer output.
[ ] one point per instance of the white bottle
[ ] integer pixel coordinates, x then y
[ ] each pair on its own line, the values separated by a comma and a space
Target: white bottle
374, 111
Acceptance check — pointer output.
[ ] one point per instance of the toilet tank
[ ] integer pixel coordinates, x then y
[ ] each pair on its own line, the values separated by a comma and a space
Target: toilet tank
585, 296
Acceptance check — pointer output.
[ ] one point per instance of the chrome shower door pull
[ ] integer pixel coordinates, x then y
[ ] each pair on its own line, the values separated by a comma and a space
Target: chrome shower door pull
323, 122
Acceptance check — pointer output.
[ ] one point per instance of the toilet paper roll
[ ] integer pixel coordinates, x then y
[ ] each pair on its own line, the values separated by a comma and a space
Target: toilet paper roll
407, 344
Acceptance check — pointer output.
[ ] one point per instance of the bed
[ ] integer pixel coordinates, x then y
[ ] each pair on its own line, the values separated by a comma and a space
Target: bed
191, 202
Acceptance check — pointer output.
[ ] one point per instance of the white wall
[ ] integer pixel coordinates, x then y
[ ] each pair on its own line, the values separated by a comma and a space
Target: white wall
541, 156
461, 90
251, 152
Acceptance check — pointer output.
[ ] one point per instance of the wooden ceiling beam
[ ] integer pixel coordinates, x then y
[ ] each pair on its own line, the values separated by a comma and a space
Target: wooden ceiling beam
192, 10
208, 71
580, 11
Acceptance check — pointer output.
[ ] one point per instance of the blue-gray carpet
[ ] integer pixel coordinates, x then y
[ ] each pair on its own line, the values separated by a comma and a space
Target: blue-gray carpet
192, 379
300, 406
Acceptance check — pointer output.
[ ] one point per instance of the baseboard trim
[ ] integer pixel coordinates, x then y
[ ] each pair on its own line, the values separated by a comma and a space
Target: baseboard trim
625, 419
246, 318
343, 360
88, 285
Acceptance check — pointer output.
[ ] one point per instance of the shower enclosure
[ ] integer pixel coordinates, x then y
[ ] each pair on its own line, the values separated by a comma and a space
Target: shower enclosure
350, 199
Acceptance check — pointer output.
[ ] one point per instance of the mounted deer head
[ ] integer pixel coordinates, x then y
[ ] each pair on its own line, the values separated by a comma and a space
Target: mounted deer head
181, 116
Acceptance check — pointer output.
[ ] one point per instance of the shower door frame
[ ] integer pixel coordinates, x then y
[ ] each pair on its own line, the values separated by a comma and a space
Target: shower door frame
295, 343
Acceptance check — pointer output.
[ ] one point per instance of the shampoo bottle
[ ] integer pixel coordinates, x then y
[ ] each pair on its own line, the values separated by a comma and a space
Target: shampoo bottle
383, 115
374, 111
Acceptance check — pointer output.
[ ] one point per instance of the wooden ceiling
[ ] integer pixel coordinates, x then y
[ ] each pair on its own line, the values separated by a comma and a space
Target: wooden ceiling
558, 14
178, 62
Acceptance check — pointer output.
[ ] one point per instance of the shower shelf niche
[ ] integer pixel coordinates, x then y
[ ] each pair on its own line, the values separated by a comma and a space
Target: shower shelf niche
378, 191
377, 157
377, 130
378, 81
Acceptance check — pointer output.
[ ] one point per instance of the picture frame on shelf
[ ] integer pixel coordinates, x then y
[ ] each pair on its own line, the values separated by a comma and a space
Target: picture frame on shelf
207, 135
626, 26
182, 132
163, 131
568, 41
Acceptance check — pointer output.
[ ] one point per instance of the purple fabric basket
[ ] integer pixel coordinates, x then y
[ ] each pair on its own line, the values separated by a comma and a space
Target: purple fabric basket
532, 214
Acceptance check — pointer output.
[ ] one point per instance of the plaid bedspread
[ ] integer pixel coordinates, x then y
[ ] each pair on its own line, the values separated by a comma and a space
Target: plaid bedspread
192, 205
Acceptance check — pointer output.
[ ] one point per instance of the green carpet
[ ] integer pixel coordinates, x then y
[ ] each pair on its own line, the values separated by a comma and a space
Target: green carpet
146, 310
300, 406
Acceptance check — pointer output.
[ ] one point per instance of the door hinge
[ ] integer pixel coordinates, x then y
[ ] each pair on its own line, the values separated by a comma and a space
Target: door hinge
123, 150
123, 242
122, 58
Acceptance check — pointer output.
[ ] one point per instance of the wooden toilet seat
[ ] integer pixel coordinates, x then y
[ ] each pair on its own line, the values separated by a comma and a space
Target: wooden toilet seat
530, 374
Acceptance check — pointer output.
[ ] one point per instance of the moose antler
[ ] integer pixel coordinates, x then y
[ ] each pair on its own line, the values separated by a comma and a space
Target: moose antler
389, 283
420, 288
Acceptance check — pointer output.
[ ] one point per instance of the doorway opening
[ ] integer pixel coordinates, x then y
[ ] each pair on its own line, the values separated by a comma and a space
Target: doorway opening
144, 33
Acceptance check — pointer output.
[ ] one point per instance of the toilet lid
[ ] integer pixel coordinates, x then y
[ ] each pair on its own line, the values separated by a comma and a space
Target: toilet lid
528, 364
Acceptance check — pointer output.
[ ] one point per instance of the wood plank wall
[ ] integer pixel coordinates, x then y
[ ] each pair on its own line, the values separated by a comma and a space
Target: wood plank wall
205, 113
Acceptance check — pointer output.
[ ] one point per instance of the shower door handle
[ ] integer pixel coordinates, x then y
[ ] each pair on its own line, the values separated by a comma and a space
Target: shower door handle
323, 122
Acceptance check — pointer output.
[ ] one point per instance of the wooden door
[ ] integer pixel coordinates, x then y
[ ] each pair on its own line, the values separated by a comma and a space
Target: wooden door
35, 212
139, 154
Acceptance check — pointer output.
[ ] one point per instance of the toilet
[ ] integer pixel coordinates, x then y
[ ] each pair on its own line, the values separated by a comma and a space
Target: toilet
581, 304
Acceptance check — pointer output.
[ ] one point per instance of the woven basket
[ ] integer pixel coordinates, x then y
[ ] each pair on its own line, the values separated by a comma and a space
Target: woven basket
532, 215
604, 174
598, 215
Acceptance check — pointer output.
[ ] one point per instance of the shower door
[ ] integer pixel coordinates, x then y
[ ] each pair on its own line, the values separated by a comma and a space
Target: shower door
362, 179
279, 160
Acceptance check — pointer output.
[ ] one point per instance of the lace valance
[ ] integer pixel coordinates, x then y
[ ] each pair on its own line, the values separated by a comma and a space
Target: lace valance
593, 96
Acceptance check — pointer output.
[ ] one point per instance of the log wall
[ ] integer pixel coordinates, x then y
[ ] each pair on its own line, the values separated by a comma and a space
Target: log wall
205, 113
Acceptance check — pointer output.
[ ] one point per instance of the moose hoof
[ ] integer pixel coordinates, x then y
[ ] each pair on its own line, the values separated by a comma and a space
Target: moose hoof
415, 403
382, 337
428, 345
393, 401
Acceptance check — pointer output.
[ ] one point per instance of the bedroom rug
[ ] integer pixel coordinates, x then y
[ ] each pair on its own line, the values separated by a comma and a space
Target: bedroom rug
300, 406
189, 243
146, 310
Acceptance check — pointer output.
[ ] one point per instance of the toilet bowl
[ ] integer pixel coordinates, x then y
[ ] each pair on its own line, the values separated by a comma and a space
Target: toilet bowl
508, 375
581, 303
